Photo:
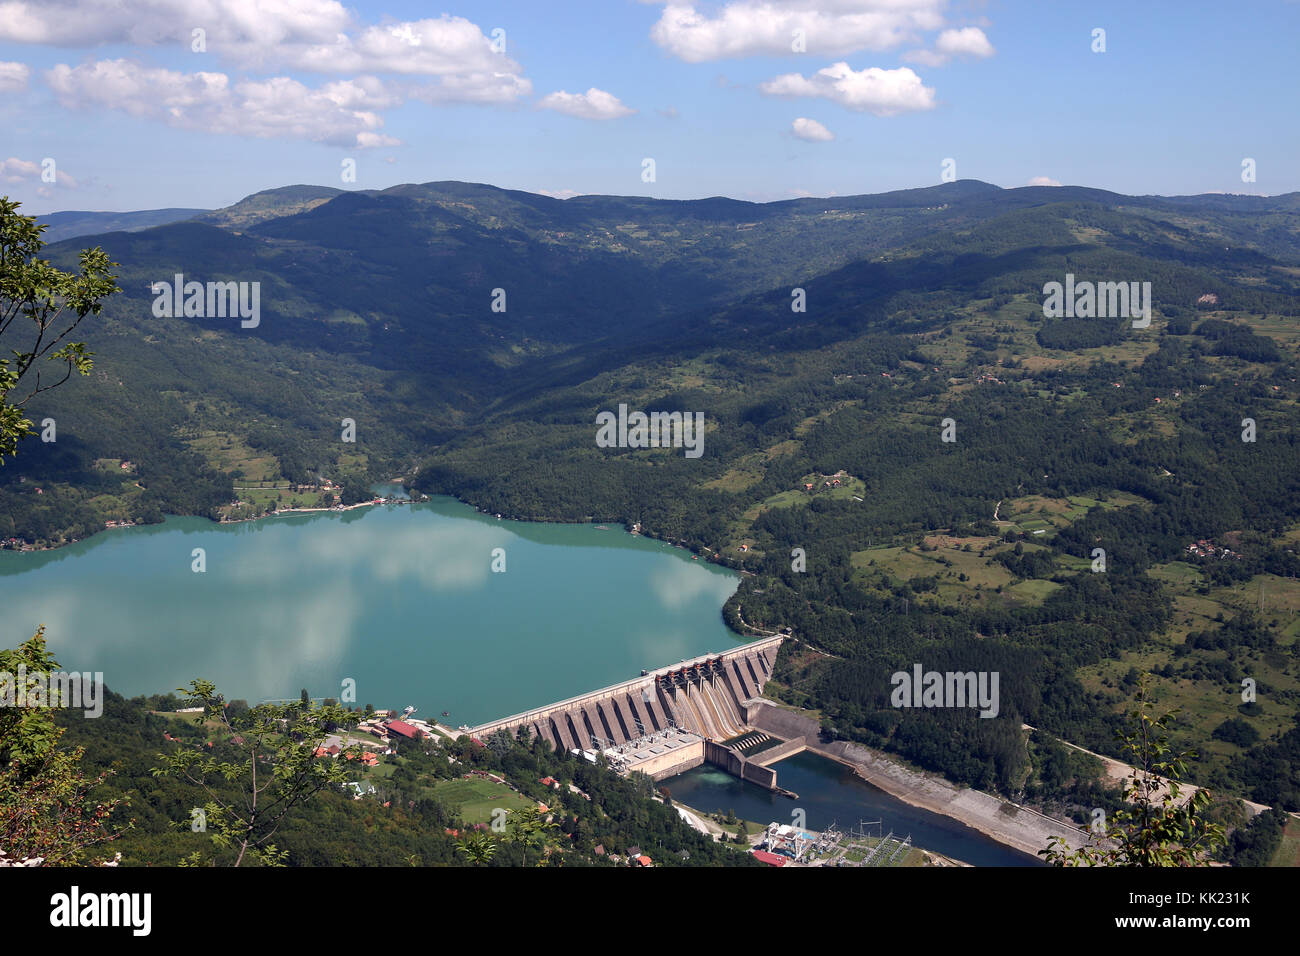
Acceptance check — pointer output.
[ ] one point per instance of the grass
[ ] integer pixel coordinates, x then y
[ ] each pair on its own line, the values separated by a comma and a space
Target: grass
984, 575
1288, 851
229, 454
475, 799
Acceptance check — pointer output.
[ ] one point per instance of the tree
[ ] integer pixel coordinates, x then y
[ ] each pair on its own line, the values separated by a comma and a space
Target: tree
477, 847
500, 742
247, 800
1155, 827
525, 825
48, 810
54, 302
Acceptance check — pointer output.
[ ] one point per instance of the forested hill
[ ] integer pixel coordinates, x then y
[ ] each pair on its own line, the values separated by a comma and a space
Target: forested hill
823, 427
411, 809
73, 224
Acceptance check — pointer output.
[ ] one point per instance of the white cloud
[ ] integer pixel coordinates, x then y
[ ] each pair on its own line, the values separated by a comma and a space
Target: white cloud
766, 27
444, 47
558, 193
882, 92
482, 88
593, 105
812, 130
320, 36
966, 42
1042, 181
148, 22
339, 113
15, 170
13, 76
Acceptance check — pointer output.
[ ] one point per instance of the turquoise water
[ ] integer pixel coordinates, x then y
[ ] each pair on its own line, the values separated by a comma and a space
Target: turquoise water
400, 598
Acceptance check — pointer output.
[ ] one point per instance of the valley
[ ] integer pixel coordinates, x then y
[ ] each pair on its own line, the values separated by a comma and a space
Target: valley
1048, 542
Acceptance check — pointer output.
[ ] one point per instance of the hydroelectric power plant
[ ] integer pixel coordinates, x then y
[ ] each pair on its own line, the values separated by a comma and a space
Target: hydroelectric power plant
670, 719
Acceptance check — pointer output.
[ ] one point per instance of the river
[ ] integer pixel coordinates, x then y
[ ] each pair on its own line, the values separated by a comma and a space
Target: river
830, 793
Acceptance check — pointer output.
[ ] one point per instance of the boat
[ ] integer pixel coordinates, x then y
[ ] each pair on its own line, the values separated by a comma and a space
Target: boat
446, 713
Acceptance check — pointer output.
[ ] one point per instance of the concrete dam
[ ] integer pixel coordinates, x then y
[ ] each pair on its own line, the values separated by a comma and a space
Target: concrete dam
665, 721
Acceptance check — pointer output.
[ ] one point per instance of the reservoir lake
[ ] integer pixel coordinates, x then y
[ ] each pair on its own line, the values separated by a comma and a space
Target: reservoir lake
400, 598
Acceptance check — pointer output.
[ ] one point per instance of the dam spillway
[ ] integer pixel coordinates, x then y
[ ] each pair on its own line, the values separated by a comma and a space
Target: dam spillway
703, 697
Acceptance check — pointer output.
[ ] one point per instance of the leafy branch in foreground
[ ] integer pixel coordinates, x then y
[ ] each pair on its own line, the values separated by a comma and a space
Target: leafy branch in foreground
1156, 826
524, 828
49, 813
54, 302
246, 800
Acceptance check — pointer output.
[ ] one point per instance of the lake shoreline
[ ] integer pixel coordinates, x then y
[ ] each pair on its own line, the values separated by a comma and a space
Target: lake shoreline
880, 771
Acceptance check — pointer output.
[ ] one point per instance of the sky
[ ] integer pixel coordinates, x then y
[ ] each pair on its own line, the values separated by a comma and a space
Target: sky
143, 104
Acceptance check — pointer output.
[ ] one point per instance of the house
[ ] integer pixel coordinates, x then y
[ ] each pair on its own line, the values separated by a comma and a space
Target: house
643, 860
771, 859
402, 729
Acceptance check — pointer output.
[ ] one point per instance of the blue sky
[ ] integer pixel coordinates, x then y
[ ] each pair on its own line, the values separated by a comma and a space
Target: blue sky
881, 94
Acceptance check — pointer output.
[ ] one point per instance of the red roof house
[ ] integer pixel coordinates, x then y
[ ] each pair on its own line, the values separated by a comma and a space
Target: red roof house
403, 729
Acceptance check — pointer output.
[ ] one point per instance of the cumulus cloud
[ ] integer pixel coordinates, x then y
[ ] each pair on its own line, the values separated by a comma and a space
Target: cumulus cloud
320, 36
148, 22
811, 130
13, 76
317, 35
874, 90
1042, 181
767, 27
448, 46
339, 113
15, 170
593, 105
966, 42
481, 88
